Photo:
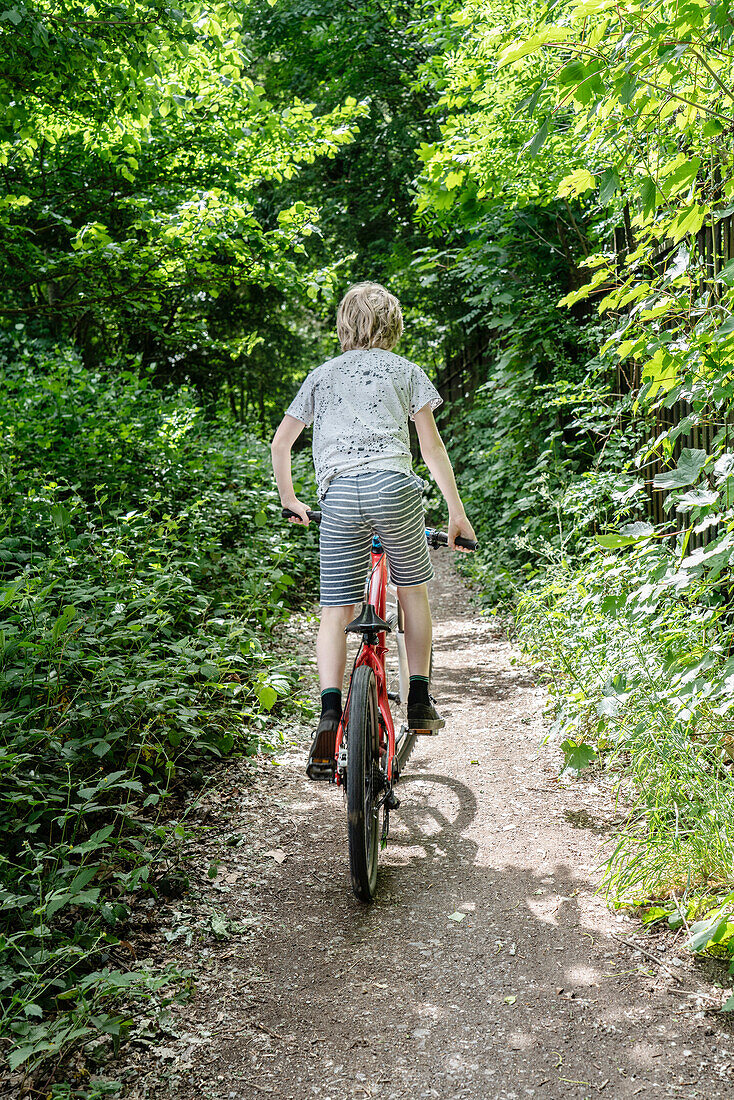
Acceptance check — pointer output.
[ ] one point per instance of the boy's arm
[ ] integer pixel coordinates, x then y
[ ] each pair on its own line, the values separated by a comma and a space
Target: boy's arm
438, 462
288, 432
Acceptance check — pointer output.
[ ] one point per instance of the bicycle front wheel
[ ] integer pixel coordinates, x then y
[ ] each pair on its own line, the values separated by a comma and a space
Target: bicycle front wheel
363, 786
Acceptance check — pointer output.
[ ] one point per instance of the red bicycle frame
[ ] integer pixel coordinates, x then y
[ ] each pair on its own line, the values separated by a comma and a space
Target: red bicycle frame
374, 655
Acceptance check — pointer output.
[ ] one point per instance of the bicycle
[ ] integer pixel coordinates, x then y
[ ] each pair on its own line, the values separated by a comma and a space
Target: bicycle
369, 755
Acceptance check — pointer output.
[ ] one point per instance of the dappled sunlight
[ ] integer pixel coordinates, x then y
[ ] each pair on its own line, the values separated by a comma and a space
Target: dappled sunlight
543, 910
582, 975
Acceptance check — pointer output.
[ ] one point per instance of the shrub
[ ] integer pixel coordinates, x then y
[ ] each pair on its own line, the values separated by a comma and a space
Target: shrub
143, 567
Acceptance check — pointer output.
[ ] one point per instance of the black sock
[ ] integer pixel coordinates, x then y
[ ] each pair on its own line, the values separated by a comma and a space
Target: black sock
418, 691
331, 699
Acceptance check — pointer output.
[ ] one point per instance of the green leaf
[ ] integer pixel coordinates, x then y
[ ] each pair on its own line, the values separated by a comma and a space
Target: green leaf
225, 743
688, 470
266, 695
726, 275
573, 73
682, 176
577, 755
537, 142
576, 183
608, 186
220, 926
648, 196
628, 536
675, 920
654, 913
628, 90
638, 530
712, 930
96, 840
689, 220
696, 498
65, 618
60, 515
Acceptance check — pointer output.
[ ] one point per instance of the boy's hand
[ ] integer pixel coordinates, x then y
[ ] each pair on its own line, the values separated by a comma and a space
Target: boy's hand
459, 527
295, 505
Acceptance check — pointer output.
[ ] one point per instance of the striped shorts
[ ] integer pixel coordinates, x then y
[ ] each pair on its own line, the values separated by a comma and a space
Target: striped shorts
383, 502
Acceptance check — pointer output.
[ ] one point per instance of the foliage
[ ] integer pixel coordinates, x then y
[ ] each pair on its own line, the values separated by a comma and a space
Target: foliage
643, 104
333, 53
618, 115
638, 645
143, 568
128, 198
526, 443
547, 190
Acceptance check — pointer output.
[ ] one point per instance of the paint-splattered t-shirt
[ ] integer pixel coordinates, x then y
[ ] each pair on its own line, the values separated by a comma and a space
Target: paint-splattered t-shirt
359, 404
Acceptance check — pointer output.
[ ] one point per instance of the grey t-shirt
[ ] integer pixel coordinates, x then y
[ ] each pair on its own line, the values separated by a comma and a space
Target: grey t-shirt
359, 404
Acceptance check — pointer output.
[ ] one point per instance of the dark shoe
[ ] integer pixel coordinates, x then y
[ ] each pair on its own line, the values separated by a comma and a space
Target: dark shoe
424, 719
321, 762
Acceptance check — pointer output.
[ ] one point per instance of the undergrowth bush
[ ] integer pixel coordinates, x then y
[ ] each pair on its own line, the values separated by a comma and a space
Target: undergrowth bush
637, 644
530, 475
143, 565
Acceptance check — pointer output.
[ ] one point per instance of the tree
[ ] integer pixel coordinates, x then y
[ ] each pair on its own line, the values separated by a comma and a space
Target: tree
132, 150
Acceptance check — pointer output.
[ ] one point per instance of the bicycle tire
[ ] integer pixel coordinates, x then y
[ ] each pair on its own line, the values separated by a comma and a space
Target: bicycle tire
363, 747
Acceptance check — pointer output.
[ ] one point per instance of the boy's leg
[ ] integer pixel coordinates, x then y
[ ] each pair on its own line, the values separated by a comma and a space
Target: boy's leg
344, 545
422, 714
331, 656
331, 645
418, 628
398, 517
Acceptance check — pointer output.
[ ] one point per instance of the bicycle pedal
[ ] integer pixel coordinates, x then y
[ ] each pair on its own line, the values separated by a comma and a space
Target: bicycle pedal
319, 769
426, 733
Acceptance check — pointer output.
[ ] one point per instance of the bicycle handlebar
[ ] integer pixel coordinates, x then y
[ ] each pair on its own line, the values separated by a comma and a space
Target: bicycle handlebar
440, 538
435, 538
288, 513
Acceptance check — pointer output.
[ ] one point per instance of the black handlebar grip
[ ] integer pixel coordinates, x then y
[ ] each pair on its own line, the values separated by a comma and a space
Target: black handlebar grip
288, 513
440, 538
467, 544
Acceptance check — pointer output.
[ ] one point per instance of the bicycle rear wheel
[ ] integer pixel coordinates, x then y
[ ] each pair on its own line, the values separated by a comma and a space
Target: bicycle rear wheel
363, 749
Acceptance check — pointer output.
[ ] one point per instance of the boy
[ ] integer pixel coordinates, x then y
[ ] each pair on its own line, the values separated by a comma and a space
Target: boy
359, 404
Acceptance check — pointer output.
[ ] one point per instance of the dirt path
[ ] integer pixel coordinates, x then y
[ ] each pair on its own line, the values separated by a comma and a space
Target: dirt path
531, 994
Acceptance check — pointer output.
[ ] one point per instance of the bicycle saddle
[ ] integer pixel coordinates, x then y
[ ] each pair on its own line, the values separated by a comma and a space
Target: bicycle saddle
367, 622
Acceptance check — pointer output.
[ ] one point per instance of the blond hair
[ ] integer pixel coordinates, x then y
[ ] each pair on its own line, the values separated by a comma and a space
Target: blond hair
369, 317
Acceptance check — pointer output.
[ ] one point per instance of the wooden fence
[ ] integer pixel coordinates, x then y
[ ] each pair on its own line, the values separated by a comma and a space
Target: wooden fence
463, 371
714, 247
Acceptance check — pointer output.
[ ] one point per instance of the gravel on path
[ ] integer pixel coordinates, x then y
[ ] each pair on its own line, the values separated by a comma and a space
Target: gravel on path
486, 968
